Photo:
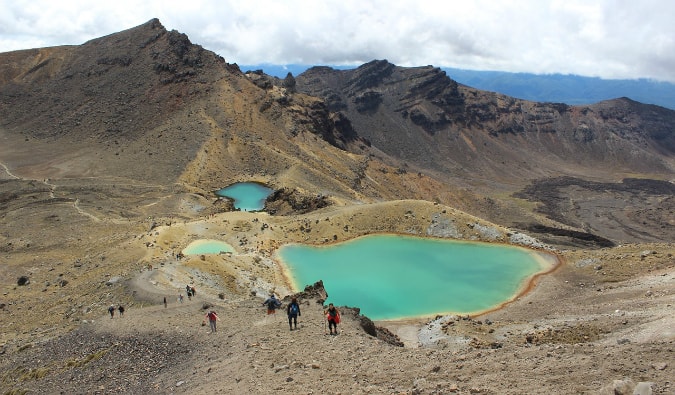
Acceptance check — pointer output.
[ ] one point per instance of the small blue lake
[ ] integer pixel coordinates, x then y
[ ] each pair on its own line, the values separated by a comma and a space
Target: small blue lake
247, 196
396, 277
205, 246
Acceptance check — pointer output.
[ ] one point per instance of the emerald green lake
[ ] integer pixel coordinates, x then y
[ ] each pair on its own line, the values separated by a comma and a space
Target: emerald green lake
395, 277
247, 196
199, 247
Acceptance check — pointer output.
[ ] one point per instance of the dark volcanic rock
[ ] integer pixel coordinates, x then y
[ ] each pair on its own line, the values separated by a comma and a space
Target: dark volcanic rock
285, 201
632, 209
368, 101
370, 75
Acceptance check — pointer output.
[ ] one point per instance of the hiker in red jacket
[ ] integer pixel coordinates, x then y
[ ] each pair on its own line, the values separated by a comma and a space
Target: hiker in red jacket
333, 318
212, 317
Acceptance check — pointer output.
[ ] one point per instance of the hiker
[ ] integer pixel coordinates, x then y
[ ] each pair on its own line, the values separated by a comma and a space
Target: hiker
188, 291
293, 311
121, 310
194, 291
333, 318
111, 310
272, 304
212, 317
165, 302
180, 298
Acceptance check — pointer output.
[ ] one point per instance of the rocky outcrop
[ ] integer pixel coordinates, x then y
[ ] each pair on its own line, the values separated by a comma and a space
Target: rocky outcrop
315, 291
369, 75
370, 328
285, 201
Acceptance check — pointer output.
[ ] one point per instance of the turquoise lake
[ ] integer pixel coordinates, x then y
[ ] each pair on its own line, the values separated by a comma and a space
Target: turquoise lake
199, 247
396, 277
247, 196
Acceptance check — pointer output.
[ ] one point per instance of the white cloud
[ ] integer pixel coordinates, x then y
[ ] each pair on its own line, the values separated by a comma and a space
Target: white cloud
606, 38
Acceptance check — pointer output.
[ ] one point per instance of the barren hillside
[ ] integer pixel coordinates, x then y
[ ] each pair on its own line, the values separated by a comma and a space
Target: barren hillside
109, 155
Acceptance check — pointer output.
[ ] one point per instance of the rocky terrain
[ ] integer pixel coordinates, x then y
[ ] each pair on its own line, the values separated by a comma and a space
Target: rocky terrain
109, 155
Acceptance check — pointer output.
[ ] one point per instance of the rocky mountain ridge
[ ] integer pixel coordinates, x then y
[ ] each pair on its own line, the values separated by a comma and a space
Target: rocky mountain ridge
429, 120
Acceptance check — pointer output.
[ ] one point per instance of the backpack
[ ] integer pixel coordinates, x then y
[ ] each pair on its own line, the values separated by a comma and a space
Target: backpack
272, 303
294, 309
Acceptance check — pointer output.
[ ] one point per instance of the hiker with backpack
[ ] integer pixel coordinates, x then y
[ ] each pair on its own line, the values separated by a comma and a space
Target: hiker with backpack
212, 317
333, 318
272, 304
293, 311
111, 310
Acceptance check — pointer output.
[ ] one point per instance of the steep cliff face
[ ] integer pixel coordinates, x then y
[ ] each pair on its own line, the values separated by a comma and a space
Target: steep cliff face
427, 119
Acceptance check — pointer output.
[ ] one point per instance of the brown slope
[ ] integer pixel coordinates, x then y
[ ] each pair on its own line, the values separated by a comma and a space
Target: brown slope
112, 102
146, 104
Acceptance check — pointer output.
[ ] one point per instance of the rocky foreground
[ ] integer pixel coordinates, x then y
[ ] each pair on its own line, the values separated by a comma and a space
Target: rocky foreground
602, 322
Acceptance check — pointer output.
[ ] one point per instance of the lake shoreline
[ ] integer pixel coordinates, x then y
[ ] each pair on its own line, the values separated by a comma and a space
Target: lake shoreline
547, 262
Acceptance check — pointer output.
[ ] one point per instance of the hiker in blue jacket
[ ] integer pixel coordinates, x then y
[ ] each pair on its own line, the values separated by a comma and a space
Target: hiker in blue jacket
293, 311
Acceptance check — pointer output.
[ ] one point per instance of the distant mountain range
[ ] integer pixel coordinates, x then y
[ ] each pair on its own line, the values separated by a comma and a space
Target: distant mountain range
559, 88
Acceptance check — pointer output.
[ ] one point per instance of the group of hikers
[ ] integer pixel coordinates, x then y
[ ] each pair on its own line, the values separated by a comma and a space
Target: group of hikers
332, 314
111, 310
292, 310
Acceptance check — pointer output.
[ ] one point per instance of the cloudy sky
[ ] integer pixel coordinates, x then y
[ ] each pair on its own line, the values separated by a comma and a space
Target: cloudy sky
602, 38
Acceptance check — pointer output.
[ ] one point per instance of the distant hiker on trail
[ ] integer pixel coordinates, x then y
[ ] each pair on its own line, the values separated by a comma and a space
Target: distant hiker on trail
121, 310
333, 318
111, 310
212, 317
188, 291
293, 311
194, 291
272, 304
180, 298
165, 302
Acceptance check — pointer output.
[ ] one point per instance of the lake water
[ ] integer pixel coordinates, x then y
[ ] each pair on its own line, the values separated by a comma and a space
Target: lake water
394, 277
205, 246
247, 196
